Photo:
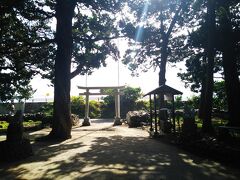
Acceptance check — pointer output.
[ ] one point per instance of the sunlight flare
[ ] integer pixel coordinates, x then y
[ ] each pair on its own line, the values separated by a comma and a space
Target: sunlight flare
142, 20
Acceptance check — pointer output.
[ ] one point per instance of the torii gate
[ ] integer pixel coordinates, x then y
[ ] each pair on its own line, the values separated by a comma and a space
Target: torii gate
102, 91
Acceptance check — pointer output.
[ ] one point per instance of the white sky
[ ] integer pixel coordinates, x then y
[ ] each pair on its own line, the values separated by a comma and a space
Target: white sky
108, 76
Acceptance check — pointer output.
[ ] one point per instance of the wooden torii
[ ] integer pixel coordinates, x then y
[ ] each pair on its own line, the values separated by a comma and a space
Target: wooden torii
102, 91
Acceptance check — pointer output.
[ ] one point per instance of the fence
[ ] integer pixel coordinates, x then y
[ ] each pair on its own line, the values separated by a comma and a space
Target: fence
30, 107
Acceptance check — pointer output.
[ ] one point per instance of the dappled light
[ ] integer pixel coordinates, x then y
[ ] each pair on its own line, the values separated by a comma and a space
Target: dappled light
112, 153
188, 44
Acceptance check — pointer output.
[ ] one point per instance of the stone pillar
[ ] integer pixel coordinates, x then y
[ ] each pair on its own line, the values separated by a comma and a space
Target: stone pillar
117, 109
118, 105
86, 121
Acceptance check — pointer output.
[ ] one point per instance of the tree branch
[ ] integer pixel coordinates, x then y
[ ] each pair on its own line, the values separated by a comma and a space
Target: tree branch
100, 38
75, 72
39, 44
6, 68
174, 20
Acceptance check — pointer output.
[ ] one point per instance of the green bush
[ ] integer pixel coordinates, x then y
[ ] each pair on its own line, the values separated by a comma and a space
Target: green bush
3, 124
179, 104
47, 109
193, 102
78, 105
128, 103
105, 109
219, 96
94, 109
142, 105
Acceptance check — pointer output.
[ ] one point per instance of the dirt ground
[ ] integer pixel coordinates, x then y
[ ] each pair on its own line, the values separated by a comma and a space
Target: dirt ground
104, 152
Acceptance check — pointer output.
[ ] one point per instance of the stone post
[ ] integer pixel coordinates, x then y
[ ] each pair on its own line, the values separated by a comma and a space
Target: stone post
86, 121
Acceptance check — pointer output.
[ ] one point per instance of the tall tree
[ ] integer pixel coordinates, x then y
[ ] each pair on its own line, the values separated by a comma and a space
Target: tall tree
61, 127
93, 33
228, 12
154, 34
88, 39
24, 46
226, 43
154, 43
201, 62
210, 54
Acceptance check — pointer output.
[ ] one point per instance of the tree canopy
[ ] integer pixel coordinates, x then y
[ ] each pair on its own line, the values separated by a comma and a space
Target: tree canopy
153, 34
203, 33
24, 47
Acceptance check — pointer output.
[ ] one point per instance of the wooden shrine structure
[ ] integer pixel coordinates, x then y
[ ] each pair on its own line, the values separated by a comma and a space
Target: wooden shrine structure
168, 93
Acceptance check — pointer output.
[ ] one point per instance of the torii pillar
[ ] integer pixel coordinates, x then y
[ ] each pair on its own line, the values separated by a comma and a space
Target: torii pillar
117, 109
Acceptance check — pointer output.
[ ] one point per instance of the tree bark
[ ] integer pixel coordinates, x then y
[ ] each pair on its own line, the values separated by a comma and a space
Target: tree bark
164, 49
232, 83
202, 102
211, 24
162, 72
201, 111
162, 67
62, 125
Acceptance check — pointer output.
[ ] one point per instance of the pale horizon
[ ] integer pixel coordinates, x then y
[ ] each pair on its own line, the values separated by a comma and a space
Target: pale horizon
108, 76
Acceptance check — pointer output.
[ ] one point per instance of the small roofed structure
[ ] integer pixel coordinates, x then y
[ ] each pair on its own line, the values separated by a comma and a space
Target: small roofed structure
168, 93
166, 90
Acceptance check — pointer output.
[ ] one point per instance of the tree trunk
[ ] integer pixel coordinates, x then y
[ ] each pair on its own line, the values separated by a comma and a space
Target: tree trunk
230, 69
62, 125
164, 49
232, 86
201, 111
162, 67
202, 102
211, 24
162, 72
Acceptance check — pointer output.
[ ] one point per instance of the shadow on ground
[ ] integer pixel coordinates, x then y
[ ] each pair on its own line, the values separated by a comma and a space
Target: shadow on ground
113, 157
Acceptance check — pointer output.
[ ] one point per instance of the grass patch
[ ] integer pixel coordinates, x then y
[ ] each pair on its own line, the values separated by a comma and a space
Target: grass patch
26, 124
31, 123
216, 122
3, 124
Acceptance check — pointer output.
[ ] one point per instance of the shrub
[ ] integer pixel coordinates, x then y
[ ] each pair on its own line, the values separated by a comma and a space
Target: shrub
47, 109
78, 105
128, 103
193, 102
94, 109
142, 105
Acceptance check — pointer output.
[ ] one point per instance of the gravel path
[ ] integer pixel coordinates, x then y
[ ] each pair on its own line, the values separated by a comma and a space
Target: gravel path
102, 151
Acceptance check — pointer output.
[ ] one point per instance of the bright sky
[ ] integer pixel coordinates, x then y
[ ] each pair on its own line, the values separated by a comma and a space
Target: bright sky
108, 76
